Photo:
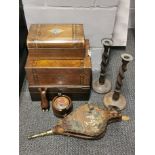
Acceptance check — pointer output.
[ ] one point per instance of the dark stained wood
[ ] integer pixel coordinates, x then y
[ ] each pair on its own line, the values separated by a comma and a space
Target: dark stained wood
61, 89
75, 93
76, 76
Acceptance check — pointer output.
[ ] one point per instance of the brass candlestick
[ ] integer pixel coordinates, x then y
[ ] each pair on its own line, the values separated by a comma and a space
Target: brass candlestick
103, 85
115, 98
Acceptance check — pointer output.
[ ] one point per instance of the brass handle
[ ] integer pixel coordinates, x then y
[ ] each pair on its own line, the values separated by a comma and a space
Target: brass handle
44, 101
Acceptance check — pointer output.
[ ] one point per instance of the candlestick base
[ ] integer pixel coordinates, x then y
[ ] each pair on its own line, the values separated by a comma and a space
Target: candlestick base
102, 88
109, 101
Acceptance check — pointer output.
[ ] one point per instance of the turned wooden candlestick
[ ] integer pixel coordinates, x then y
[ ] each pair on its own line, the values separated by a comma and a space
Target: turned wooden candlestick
116, 98
103, 85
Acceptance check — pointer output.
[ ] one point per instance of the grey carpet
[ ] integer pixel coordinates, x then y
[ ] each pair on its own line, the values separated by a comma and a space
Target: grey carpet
119, 138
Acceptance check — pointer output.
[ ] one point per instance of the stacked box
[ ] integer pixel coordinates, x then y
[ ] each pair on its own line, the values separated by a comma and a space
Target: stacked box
58, 61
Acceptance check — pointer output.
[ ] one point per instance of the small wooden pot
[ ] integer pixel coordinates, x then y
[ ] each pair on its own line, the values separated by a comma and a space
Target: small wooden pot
61, 106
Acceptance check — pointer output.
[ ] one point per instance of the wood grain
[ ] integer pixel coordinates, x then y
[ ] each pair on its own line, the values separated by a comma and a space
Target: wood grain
56, 41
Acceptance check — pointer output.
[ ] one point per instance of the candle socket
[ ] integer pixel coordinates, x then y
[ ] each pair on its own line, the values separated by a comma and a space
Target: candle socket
103, 85
116, 98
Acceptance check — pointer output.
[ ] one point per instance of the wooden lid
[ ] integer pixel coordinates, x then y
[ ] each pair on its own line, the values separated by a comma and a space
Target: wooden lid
56, 36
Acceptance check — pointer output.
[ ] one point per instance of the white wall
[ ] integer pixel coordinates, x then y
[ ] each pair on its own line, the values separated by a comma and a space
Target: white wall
98, 16
101, 19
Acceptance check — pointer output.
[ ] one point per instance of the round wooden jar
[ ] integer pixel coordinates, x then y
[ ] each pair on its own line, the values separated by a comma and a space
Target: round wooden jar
61, 106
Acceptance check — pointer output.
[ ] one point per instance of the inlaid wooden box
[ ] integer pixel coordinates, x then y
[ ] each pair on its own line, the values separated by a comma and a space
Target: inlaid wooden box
69, 77
56, 41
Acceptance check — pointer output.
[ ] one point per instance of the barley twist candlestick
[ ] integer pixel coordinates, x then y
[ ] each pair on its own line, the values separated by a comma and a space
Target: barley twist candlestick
115, 98
103, 85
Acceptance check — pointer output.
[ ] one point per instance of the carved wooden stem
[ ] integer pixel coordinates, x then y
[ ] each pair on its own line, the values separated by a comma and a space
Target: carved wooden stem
126, 58
44, 101
105, 60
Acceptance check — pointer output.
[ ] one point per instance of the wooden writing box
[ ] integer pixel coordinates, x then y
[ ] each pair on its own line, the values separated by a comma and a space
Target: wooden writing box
69, 77
56, 41
58, 72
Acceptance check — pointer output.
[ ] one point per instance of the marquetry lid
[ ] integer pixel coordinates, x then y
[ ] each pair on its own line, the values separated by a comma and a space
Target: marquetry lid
56, 36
